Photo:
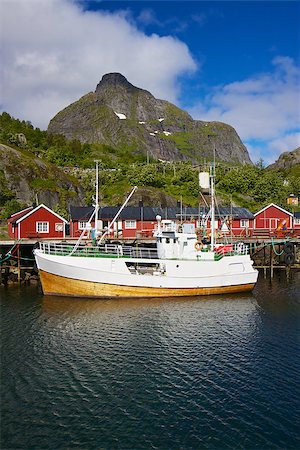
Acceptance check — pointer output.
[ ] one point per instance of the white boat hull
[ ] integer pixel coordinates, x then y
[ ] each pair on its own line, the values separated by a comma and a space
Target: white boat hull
110, 277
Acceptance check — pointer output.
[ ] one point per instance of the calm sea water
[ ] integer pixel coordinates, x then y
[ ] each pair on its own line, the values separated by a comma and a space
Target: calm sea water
207, 373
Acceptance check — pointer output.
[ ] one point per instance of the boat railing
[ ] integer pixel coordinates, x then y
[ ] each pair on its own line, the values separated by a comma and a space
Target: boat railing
98, 251
239, 248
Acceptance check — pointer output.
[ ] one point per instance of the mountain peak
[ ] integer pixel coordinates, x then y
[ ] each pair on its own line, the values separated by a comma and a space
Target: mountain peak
119, 114
114, 79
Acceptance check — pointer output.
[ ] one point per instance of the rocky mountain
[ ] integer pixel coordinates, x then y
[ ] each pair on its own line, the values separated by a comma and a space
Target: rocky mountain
287, 160
121, 115
29, 178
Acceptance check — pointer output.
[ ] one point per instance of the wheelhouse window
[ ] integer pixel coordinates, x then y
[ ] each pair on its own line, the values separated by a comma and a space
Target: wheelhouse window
42, 227
244, 223
130, 224
82, 224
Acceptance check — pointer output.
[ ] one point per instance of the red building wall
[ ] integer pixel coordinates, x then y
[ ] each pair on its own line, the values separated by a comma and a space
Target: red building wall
235, 227
271, 217
143, 229
243, 231
27, 226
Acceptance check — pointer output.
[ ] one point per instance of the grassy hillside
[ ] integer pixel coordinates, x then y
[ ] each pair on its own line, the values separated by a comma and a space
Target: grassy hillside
62, 172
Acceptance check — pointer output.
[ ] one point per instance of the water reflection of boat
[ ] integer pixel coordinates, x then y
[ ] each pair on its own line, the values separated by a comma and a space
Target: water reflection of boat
179, 266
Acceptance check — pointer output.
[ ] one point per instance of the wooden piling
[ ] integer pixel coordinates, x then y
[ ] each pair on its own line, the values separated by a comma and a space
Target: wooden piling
19, 265
271, 263
288, 272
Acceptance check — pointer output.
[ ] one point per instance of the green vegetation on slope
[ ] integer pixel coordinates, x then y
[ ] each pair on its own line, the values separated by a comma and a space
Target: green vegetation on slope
251, 186
58, 150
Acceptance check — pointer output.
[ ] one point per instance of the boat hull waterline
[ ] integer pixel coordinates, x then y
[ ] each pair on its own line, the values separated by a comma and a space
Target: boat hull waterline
69, 276
61, 286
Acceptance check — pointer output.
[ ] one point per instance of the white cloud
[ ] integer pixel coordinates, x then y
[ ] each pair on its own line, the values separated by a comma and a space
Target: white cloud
284, 144
270, 150
53, 52
263, 108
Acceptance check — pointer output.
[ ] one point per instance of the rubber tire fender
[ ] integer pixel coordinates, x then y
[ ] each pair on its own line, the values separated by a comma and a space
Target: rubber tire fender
289, 259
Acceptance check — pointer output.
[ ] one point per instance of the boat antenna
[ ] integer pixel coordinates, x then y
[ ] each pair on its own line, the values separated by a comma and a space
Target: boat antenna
212, 184
97, 196
117, 215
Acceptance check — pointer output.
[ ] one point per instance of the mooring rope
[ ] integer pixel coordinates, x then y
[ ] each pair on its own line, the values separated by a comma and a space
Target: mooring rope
274, 250
23, 258
9, 254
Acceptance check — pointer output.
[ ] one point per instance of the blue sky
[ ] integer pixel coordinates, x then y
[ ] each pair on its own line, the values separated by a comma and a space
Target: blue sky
236, 62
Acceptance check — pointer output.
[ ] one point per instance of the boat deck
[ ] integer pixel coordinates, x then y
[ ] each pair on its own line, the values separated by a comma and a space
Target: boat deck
123, 251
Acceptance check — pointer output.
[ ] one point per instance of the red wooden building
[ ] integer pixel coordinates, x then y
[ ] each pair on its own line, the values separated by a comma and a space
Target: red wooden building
133, 221
38, 222
136, 222
272, 218
140, 222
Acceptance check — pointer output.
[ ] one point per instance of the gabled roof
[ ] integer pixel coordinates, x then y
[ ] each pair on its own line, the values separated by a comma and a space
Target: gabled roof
36, 209
150, 213
81, 212
128, 213
236, 212
14, 217
275, 206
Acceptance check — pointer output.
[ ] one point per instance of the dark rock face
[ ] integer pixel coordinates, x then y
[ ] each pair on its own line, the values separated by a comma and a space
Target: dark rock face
29, 177
287, 160
113, 80
119, 114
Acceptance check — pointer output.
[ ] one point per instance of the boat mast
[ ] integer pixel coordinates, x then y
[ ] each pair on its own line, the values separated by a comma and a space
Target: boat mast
97, 197
117, 215
212, 226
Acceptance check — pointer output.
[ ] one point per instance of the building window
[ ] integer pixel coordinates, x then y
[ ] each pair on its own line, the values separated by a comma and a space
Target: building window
82, 224
42, 227
59, 227
297, 221
130, 224
244, 223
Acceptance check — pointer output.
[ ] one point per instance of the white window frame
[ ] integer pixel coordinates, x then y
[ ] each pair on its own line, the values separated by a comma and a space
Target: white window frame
297, 221
244, 223
82, 224
59, 227
44, 227
130, 224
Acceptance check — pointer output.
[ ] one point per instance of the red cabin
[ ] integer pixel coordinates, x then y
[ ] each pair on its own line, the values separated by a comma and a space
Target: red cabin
140, 221
39, 222
274, 220
133, 221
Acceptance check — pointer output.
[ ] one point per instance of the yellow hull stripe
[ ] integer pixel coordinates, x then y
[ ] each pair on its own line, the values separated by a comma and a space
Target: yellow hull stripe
57, 285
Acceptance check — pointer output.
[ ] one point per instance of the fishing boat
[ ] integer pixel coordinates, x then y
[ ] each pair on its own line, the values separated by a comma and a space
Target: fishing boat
180, 265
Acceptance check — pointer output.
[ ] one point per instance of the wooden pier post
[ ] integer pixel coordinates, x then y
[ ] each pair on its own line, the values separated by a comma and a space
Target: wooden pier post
271, 263
19, 265
288, 272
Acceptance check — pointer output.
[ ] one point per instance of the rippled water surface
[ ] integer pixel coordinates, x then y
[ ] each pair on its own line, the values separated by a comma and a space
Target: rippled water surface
209, 372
